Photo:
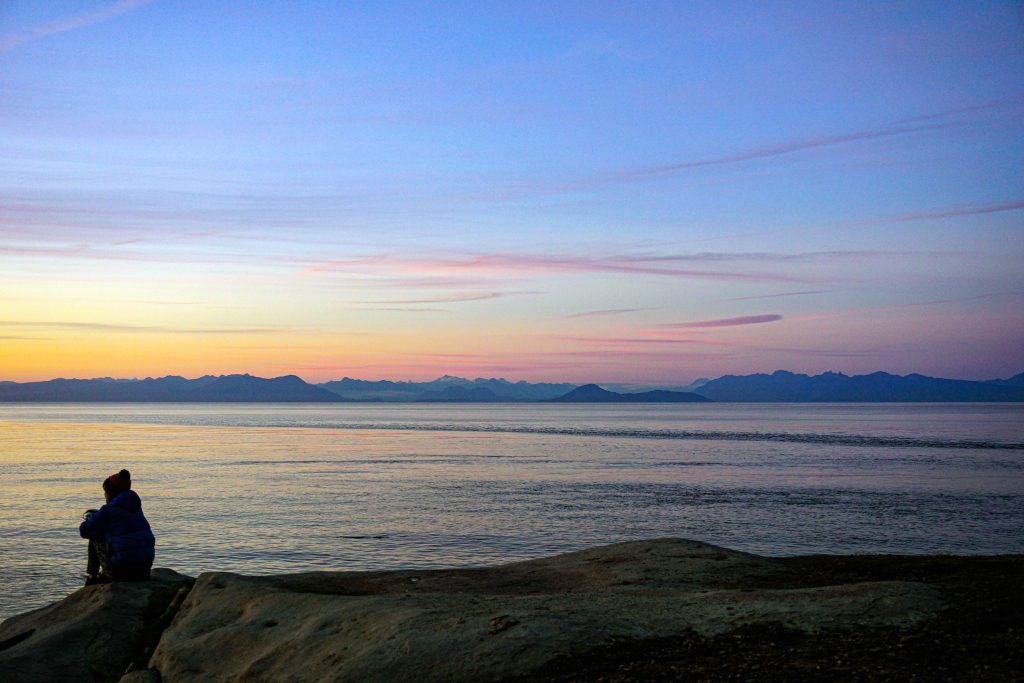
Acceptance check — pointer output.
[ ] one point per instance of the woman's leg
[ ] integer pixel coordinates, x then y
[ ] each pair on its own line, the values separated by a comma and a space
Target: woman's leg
92, 567
99, 568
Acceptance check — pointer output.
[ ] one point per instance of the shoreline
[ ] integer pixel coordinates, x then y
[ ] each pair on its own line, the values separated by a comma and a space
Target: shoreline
660, 609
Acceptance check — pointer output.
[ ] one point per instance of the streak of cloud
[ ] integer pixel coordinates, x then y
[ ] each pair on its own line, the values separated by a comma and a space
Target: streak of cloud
977, 297
904, 306
956, 212
835, 255
89, 253
969, 109
427, 282
110, 327
932, 121
532, 356
780, 149
70, 23
506, 264
603, 313
624, 341
727, 322
271, 347
456, 298
826, 353
780, 295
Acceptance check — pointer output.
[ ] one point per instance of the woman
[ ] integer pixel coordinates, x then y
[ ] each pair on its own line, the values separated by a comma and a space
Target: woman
121, 544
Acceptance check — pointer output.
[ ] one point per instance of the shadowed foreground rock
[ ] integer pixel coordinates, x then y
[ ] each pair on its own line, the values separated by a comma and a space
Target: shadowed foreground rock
661, 609
94, 634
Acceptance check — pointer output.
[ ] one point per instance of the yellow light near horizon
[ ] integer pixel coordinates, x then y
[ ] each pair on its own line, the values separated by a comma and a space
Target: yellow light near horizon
92, 354
33, 354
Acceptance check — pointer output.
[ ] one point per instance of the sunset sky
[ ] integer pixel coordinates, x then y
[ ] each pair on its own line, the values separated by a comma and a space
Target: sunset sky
640, 193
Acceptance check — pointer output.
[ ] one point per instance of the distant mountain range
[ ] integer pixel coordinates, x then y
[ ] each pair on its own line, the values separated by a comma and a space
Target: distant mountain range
446, 389
833, 387
171, 389
591, 393
778, 387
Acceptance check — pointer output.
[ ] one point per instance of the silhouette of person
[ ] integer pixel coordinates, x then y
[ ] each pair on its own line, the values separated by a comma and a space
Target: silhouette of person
121, 543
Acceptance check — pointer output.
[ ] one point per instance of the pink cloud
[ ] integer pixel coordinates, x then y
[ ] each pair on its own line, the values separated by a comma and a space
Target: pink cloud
503, 264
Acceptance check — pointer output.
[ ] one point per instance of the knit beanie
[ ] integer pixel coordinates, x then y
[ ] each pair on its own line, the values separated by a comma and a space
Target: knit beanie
118, 482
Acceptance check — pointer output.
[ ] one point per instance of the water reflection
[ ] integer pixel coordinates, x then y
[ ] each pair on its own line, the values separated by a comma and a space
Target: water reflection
223, 492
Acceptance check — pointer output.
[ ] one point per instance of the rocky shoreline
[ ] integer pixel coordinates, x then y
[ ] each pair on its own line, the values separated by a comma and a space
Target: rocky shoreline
664, 609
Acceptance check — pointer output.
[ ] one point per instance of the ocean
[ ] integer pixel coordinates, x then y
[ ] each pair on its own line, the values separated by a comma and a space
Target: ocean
271, 488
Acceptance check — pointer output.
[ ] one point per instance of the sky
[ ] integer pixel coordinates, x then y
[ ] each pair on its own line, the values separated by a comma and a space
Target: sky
640, 193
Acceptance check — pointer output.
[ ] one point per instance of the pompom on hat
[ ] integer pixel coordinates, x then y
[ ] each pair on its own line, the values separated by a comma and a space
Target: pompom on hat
119, 482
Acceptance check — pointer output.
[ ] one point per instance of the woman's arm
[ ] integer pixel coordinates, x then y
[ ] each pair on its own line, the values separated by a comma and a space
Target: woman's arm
96, 525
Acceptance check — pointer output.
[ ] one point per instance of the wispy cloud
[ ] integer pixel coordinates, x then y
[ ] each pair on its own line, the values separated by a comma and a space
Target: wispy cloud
977, 297
509, 264
455, 298
969, 109
931, 121
603, 313
780, 295
271, 347
955, 212
70, 22
727, 322
88, 252
627, 341
113, 327
777, 150
157, 302
429, 282
904, 306
826, 353
540, 356
773, 256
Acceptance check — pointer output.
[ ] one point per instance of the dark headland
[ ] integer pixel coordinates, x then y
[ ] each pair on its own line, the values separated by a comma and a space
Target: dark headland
663, 609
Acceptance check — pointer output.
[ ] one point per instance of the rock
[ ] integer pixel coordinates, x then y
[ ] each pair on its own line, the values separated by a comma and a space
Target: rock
94, 634
526, 619
494, 623
141, 676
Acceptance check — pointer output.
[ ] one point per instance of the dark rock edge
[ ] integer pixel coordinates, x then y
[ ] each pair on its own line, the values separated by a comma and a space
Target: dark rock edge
979, 636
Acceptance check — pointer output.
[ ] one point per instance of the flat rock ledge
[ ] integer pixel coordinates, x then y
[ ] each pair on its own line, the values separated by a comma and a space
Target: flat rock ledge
483, 624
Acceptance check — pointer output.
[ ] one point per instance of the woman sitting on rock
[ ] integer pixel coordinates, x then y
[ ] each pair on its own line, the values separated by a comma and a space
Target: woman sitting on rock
121, 544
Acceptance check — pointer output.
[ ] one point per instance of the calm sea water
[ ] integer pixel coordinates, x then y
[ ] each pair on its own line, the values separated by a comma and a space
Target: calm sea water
279, 488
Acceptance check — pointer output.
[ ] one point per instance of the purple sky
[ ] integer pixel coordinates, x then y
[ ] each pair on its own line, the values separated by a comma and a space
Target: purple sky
639, 193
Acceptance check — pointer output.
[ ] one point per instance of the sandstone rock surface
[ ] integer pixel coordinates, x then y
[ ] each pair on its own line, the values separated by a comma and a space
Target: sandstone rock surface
495, 623
545, 619
94, 634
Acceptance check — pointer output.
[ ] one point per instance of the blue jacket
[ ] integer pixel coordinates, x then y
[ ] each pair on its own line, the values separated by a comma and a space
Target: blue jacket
124, 528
